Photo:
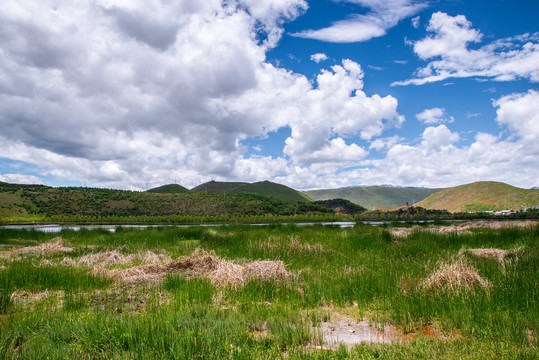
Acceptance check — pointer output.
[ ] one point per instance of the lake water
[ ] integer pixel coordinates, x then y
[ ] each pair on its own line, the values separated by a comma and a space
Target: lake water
55, 228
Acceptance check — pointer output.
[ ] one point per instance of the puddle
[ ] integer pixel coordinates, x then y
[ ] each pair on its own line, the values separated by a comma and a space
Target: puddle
349, 332
353, 333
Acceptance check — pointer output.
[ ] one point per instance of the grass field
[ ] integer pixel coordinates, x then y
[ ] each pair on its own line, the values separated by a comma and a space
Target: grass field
250, 292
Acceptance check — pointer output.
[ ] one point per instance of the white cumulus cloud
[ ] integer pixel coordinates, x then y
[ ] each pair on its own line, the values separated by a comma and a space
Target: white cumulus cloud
450, 54
338, 97
124, 94
415, 21
439, 160
520, 113
20, 179
434, 116
382, 15
319, 57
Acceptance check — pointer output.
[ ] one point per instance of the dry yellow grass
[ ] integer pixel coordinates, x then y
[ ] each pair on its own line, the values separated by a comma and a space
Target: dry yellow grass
139, 274
455, 277
56, 246
402, 231
297, 246
499, 255
25, 297
487, 224
220, 272
152, 268
227, 273
294, 245
112, 258
199, 262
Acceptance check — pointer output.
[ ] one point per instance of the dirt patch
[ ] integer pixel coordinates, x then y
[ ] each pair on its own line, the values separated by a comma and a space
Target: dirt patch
455, 277
204, 264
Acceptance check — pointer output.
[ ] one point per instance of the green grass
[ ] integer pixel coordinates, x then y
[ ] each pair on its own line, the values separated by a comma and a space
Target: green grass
364, 271
26, 275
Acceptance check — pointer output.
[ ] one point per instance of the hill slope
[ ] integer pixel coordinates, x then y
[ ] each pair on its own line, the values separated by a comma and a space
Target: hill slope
370, 196
169, 189
28, 200
481, 196
269, 188
218, 187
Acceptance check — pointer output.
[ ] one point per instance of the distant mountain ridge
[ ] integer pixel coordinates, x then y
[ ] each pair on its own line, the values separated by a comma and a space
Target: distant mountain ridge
269, 188
482, 196
253, 198
374, 196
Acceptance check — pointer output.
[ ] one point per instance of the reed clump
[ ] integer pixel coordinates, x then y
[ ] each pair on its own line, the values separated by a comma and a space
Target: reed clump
455, 277
499, 255
55, 246
297, 246
114, 258
201, 263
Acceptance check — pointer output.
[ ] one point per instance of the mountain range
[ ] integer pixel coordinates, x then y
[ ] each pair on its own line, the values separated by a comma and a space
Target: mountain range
242, 198
372, 197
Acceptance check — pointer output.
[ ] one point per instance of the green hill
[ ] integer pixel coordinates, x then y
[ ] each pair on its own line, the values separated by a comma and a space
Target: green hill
482, 196
25, 201
371, 196
341, 206
268, 188
169, 189
219, 187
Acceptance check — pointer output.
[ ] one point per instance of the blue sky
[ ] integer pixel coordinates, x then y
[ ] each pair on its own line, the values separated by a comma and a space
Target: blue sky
311, 94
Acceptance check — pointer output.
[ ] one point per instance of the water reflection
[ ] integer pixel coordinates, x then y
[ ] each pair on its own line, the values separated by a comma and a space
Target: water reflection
55, 228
